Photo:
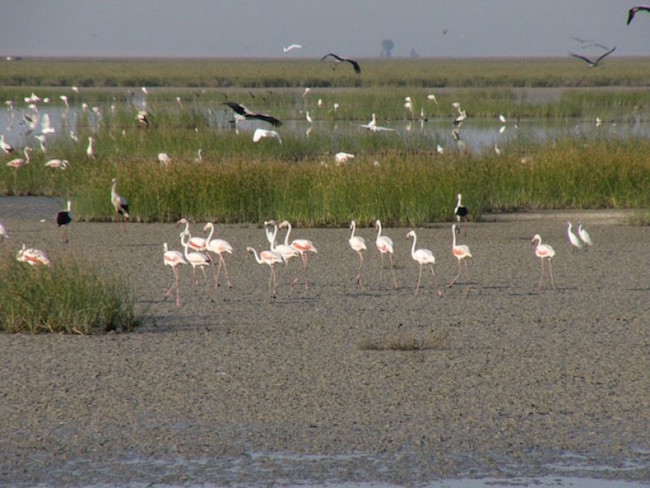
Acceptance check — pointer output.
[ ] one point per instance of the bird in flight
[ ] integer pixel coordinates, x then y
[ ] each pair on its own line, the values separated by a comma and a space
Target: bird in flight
632, 12
242, 112
591, 62
288, 48
341, 59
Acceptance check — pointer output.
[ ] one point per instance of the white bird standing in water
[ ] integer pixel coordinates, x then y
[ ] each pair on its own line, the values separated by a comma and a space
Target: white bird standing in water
573, 239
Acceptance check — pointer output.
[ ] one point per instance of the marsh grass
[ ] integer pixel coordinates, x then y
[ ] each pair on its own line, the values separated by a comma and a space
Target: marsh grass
405, 341
70, 297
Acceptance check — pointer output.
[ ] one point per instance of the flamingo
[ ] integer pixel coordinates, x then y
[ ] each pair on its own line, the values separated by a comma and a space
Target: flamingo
593, 62
262, 133
342, 158
573, 239
90, 152
385, 246
544, 251
5, 146
341, 59
373, 127
143, 118
358, 245
269, 258
61, 164
32, 256
632, 12
285, 250
422, 256
585, 236
196, 259
242, 113
63, 219
120, 204
3, 233
173, 259
20, 162
196, 243
461, 252
218, 246
461, 211
303, 246
164, 159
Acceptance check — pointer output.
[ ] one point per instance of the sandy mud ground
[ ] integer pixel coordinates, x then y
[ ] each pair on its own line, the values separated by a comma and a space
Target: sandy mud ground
237, 388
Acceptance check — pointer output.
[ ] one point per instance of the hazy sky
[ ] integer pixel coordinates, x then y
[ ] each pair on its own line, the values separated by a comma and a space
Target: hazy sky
355, 28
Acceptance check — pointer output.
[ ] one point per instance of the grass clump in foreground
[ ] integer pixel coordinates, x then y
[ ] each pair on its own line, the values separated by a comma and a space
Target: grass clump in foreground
405, 342
70, 296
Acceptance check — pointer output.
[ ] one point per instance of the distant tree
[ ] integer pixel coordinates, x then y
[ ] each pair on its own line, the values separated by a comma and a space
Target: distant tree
387, 46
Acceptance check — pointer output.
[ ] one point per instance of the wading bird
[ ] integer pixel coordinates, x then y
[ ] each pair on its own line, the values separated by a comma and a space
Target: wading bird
5, 146
304, 247
585, 236
173, 259
269, 258
461, 211
119, 203
461, 252
422, 257
242, 113
32, 256
342, 157
544, 251
358, 245
384, 245
285, 250
20, 162
57, 164
573, 239
593, 62
341, 59
3, 233
196, 243
632, 12
373, 127
90, 151
262, 133
196, 259
219, 247
63, 219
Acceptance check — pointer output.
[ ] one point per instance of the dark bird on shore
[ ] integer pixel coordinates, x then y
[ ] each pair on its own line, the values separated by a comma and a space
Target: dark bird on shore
341, 59
63, 218
632, 12
461, 211
591, 62
120, 204
242, 113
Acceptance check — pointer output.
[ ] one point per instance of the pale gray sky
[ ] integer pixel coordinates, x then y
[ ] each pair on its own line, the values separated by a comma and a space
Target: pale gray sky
355, 28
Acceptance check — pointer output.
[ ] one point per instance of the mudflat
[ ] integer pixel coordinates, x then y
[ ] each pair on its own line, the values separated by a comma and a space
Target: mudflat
235, 387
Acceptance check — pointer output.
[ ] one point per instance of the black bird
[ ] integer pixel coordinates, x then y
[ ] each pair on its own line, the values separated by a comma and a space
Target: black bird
593, 63
341, 59
632, 12
242, 113
63, 218
461, 212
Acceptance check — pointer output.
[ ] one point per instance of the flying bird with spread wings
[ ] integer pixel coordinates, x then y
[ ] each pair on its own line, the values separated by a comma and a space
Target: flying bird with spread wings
291, 47
632, 12
594, 62
341, 59
242, 113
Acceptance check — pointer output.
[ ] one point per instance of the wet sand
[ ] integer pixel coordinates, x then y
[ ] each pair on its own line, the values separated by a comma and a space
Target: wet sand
237, 388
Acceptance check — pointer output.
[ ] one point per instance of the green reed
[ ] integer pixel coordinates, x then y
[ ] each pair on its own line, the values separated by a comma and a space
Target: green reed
71, 296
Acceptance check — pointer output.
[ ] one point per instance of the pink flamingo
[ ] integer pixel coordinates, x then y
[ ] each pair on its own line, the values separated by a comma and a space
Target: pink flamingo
218, 246
20, 162
461, 252
286, 251
269, 258
358, 244
173, 259
195, 243
422, 257
385, 246
544, 251
32, 256
196, 259
303, 246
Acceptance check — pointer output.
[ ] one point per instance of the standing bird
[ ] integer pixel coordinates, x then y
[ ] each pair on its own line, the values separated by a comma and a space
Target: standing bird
461, 252
422, 257
173, 259
119, 203
585, 236
573, 239
303, 246
3, 233
593, 62
544, 251
32, 256
63, 219
242, 113
218, 246
269, 258
285, 250
461, 211
20, 162
341, 59
5, 146
90, 151
632, 12
358, 245
196, 259
384, 246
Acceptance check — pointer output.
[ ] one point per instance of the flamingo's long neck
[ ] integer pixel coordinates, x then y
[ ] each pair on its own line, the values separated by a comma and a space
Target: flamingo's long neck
207, 239
378, 229
353, 227
453, 235
415, 238
286, 238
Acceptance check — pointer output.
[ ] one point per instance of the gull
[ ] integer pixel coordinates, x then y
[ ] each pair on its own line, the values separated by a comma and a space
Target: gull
288, 48
261, 133
242, 113
632, 12
594, 62
341, 59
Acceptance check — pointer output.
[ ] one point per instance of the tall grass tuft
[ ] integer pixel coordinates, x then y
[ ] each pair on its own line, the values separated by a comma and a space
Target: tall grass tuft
71, 296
